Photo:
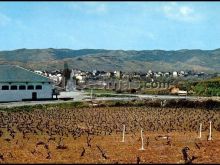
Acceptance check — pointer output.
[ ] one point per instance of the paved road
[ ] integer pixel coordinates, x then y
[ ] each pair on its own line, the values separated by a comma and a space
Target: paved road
145, 96
82, 96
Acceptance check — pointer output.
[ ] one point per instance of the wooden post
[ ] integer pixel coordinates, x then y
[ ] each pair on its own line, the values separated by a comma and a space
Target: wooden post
123, 138
142, 141
200, 130
210, 131
91, 94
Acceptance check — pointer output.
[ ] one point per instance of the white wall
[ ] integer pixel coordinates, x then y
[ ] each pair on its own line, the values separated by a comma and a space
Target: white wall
18, 95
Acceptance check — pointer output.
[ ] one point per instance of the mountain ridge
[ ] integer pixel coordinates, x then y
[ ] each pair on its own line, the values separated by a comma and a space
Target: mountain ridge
110, 60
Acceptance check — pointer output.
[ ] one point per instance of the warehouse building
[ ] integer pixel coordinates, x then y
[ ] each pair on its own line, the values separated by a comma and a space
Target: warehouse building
19, 84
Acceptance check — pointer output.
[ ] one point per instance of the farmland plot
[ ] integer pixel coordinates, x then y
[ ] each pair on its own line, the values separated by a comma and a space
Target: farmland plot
95, 135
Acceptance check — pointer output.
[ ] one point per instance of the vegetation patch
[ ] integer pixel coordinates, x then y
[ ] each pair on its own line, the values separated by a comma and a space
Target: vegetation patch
210, 87
29, 108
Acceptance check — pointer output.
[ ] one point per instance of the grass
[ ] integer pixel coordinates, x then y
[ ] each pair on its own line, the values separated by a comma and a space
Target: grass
206, 104
109, 95
100, 91
29, 108
155, 91
209, 87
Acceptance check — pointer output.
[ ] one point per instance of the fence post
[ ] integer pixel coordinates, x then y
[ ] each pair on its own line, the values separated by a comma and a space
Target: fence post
142, 141
123, 138
200, 130
210, 131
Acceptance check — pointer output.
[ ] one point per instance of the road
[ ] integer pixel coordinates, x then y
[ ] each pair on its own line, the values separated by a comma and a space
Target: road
83, 96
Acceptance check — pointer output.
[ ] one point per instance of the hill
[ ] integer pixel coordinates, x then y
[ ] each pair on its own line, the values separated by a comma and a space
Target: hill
110, 60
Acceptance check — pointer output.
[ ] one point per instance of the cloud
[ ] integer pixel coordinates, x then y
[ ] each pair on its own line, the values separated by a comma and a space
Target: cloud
181, 13
90, 7
4, 20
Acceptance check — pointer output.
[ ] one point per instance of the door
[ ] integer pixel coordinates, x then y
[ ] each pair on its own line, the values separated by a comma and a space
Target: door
34, 95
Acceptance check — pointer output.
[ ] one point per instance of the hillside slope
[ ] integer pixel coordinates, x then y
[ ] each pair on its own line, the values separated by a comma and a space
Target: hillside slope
110, 60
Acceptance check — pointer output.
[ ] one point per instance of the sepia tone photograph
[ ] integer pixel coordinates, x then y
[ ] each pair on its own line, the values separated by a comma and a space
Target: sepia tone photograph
107, 82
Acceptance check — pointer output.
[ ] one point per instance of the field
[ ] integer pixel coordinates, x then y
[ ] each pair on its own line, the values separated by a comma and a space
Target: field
94, 135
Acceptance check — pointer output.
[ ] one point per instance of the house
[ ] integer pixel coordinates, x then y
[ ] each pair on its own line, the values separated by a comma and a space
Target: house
175, 90
109, 74
17, 84
81, 78
118, 74
182, 93
175, 74
95, 72
166, 74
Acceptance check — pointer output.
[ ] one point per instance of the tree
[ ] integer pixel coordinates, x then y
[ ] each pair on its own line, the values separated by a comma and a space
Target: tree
66, 73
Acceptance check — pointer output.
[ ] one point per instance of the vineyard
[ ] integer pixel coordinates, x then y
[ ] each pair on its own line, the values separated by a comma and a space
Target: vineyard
94, 135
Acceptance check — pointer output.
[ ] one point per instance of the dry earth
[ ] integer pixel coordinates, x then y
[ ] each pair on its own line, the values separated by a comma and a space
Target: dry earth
94, 135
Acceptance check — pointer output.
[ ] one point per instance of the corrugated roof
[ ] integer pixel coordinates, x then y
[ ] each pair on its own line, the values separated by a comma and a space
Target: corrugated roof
13, 73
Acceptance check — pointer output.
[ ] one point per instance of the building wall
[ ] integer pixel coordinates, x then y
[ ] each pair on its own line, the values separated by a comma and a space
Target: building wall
18, 95
174, 90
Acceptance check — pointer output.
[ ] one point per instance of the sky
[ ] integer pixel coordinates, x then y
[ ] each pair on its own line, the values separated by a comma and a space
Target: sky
110, 25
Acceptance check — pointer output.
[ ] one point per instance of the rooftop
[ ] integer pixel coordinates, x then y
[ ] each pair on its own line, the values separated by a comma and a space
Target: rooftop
13, 73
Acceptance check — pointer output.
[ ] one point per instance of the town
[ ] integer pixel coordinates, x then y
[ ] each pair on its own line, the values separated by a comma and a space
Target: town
22, 84
118, 80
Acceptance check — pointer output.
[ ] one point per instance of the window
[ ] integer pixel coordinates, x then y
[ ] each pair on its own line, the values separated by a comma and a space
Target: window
14, 87
38, 87
22, 87
30, 87
5, 87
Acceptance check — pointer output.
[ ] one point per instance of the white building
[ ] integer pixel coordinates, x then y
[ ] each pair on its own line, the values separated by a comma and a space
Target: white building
17, 84
182, 93
118, 74
175, 74
81, 78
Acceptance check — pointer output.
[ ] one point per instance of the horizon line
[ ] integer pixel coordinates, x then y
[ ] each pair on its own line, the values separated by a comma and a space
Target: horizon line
113, 49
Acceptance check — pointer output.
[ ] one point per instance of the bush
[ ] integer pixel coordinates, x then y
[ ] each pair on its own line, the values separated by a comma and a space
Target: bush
118, 91
133, 91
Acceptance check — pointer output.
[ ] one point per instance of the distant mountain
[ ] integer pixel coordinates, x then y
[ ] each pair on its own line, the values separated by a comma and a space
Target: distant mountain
110, 60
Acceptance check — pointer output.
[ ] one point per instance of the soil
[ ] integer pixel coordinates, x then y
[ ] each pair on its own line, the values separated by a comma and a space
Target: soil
24, 150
